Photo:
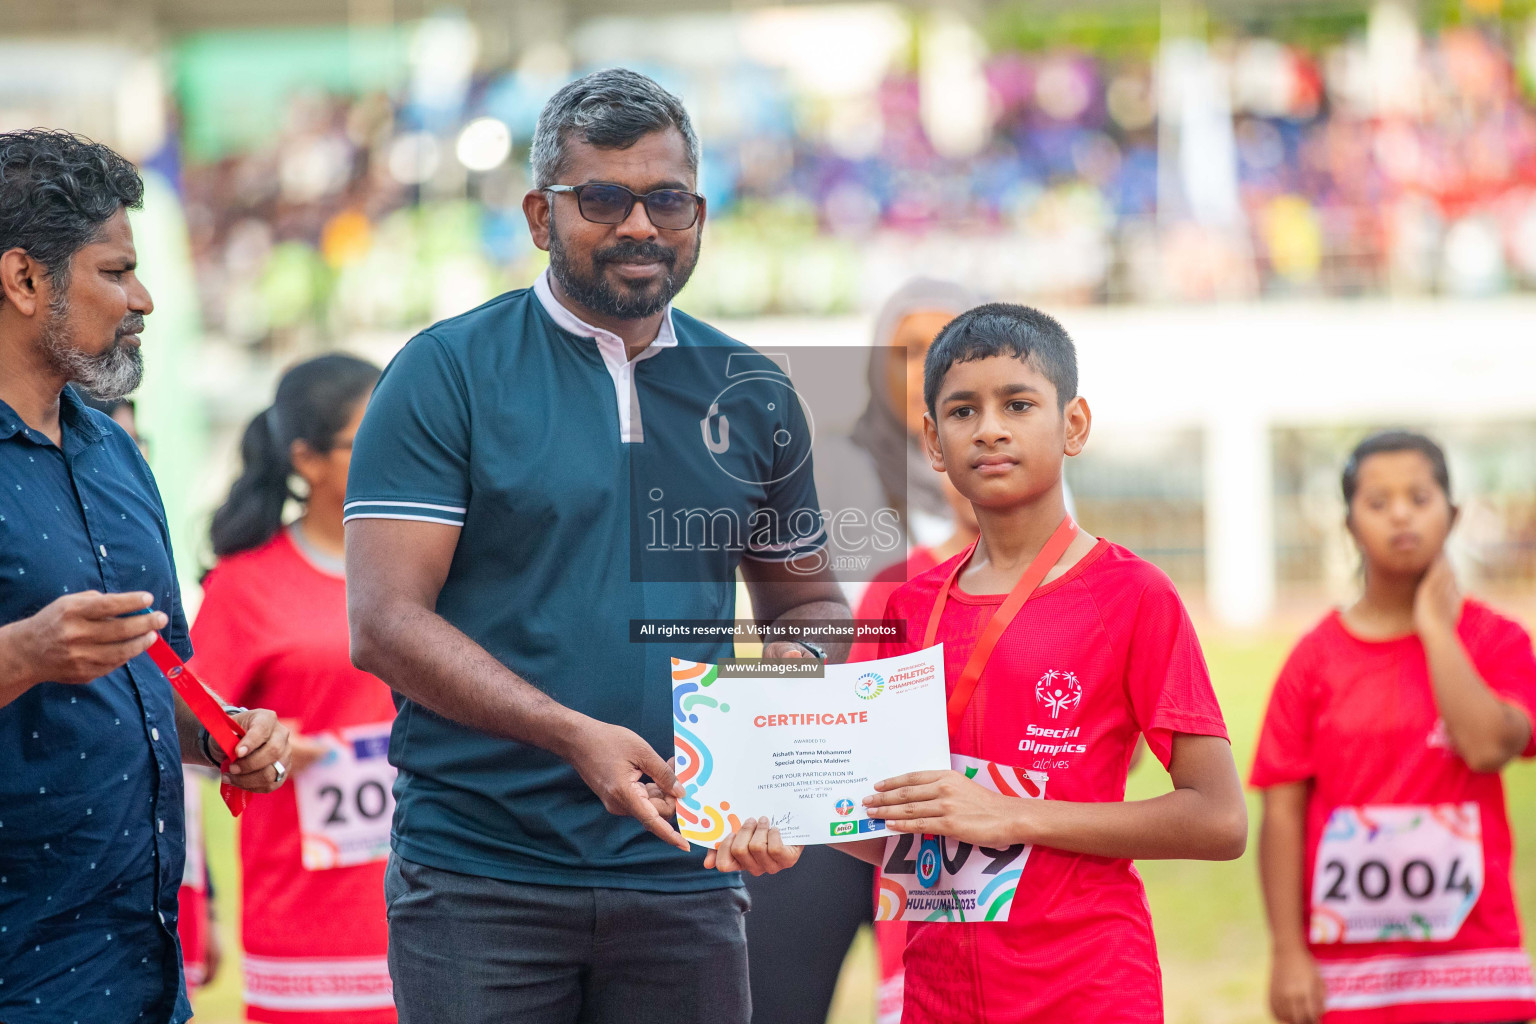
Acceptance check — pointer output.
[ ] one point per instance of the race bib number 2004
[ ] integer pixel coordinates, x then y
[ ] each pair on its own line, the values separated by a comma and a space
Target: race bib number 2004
346, 799
1397, 873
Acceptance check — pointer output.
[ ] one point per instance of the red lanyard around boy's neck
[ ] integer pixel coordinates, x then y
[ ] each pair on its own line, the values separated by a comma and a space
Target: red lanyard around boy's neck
1001, 618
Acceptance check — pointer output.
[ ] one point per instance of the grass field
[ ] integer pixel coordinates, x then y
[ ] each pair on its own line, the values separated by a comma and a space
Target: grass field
1210, 925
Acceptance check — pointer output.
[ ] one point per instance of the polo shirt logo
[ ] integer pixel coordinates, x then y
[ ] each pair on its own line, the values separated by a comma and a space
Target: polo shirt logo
761, 395
723, 445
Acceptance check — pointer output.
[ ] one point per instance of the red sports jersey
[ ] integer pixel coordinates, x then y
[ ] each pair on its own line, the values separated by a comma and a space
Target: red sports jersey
272, 633
1095, 658
1358, 719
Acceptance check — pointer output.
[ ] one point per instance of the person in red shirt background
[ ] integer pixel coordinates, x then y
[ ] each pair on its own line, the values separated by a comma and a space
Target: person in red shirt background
273, 629
1385, 851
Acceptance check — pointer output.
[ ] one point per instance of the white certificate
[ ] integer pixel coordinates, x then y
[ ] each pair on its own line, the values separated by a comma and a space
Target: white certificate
803, 752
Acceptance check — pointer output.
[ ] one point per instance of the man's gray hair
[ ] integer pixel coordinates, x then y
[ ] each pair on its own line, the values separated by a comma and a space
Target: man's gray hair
611, 109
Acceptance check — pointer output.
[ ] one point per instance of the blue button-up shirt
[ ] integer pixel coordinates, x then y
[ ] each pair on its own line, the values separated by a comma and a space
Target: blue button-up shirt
91, 831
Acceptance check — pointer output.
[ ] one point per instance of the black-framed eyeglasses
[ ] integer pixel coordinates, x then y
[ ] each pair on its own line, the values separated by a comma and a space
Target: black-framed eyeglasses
603, 203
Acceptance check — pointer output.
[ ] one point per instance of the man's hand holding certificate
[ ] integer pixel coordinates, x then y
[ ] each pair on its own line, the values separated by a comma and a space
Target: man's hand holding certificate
801, 753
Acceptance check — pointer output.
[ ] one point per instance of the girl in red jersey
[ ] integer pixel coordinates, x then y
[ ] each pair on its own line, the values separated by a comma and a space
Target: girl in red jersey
273, 629
1385, 850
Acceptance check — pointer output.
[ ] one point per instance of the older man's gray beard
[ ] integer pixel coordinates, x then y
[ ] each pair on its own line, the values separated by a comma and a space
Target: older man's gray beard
109, 375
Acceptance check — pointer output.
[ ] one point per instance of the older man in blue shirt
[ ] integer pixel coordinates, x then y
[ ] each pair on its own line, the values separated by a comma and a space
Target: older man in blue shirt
91, 735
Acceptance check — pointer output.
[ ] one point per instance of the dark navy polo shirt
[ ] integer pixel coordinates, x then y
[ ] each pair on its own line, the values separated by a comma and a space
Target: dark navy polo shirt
581, 507
91, 832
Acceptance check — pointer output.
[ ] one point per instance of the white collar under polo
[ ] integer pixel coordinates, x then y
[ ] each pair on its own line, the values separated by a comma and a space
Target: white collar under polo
620, 367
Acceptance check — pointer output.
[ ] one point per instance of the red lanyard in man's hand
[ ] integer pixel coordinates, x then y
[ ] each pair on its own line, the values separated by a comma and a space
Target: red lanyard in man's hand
224, 730
1036, 572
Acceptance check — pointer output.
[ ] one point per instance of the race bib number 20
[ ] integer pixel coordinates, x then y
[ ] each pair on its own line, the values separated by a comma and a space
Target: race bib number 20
939, 878
1397, 873
346, 800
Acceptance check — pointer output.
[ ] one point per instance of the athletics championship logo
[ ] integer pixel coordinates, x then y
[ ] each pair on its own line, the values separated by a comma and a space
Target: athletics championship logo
869, 685
1059, 691
845, 807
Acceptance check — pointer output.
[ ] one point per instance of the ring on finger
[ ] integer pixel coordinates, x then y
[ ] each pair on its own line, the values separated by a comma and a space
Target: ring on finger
282, 773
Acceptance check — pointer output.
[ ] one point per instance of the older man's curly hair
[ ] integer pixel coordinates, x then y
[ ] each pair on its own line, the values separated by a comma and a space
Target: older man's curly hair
56, 190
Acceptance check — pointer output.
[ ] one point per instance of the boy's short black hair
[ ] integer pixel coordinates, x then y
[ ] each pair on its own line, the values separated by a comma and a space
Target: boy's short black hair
1003, 328
1394, 441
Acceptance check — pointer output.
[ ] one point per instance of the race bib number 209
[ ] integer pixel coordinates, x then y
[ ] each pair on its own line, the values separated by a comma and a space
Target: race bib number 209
941, 879
1397, 873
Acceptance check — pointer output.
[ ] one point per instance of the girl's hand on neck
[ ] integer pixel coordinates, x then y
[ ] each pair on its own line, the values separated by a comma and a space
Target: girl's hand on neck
1437, 601
1394, 606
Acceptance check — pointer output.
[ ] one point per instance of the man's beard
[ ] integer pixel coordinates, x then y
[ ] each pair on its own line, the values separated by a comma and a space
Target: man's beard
108, 375
589, 285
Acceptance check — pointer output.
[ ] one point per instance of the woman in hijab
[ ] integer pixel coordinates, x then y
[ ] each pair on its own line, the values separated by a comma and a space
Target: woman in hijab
890, 430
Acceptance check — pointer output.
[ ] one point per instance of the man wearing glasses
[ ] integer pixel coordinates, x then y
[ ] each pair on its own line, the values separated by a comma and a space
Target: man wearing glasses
523, 488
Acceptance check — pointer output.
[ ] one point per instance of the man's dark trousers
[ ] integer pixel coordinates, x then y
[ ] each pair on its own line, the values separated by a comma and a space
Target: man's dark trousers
475, 950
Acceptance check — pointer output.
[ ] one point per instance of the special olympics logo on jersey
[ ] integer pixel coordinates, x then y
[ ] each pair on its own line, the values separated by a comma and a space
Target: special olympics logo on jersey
1059, 691
869, 685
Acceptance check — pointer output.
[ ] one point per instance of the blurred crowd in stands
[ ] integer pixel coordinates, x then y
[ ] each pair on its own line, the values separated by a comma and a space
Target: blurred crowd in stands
1389, 161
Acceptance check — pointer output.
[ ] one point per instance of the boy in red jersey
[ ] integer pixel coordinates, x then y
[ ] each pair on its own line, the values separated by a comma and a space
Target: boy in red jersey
1385, 851
1100, 653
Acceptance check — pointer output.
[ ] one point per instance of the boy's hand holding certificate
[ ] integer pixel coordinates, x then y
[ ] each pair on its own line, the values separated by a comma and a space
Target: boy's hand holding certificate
969, 869
802, 752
